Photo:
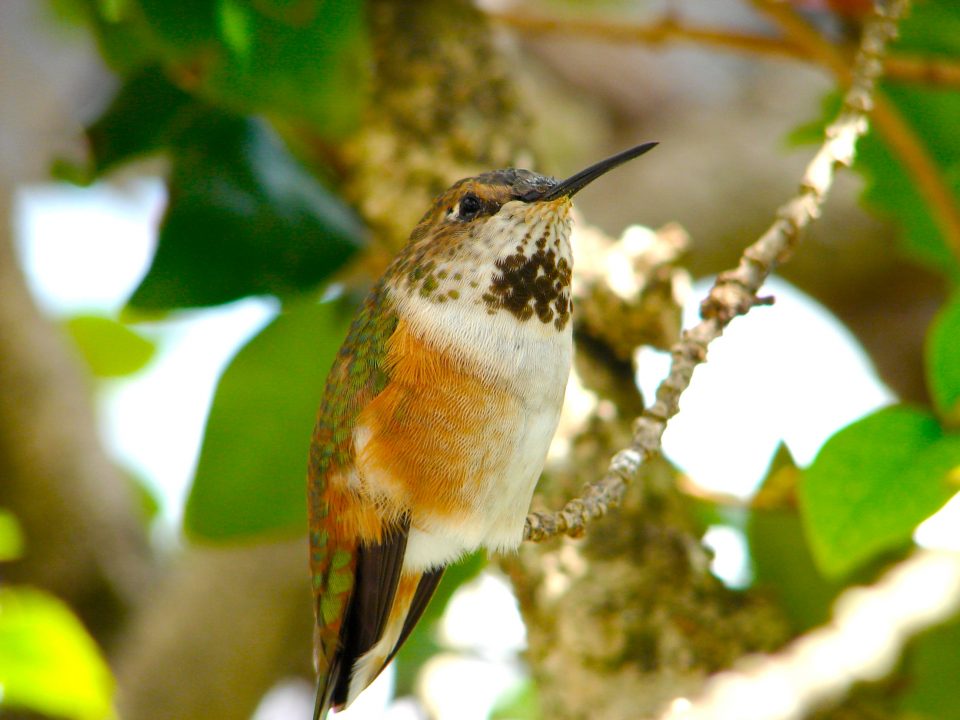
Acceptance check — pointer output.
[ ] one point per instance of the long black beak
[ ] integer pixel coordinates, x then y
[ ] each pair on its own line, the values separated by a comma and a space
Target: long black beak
575, 183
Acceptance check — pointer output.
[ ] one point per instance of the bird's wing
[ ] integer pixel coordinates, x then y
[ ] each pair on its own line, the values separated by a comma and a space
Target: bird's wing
355, 558
377, 576
421, 598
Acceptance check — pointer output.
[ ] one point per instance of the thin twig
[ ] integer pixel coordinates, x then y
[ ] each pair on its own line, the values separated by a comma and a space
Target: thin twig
926, 70
941, 72
665, 30
887, 119
735, 291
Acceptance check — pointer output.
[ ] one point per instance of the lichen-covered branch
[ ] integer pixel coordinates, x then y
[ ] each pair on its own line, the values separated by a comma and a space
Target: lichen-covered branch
443, 107
735, 291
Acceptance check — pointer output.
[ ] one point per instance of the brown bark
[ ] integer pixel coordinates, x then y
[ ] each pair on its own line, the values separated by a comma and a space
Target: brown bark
223, 627
83, 538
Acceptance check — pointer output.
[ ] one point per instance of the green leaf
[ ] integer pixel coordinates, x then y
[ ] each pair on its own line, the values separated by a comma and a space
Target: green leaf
148, 115
251, 475
781, 560
244, 218
109, 348
943, 361
48, 662
891, 191
521, 702
422, 644
931, 668
303, 60
872, 483
933, 28
11, 536
119, 27
784, 566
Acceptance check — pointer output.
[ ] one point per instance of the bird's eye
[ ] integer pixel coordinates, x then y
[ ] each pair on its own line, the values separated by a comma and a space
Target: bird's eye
469, 206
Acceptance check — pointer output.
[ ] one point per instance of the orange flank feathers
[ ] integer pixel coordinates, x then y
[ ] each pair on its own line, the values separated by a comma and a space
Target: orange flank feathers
419, 441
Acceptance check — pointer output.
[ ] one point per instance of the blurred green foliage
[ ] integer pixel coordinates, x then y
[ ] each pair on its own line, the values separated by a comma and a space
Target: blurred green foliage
11, 536
931, 670
932, 31
109, 348
244, 216
48, 662
943, 361
304, 60
251, 475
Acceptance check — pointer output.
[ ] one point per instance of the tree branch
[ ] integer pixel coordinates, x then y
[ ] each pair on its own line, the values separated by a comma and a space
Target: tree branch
888, 120
663, 31
903, 68
735, 291
84, 541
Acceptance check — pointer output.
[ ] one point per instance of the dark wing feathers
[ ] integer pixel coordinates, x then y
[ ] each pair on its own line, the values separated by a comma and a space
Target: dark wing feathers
378, 574
421, 598
325, 690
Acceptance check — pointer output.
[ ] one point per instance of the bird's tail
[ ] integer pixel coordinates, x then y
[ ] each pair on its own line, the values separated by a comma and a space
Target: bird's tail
325, 686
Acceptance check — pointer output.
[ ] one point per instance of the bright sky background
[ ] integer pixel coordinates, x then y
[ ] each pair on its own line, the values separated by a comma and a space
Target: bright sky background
788, 372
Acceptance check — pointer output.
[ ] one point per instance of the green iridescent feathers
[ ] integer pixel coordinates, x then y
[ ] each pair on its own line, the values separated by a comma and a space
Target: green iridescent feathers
356, 377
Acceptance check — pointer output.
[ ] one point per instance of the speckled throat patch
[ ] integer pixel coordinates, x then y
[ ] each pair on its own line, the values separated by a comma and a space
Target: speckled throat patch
532, 284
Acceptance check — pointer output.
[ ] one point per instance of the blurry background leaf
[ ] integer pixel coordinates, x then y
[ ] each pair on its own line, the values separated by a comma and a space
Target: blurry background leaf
891, 191
783, 565
109, 348
932, 668
780, 556
119, 29
422, 643
244, 218
11, 536
147, 115
943, 361
521, 702
48, 662
305, 60
872, 483
251, 476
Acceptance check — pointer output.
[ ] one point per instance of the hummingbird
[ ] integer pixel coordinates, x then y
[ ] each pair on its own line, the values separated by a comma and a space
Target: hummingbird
438, 412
